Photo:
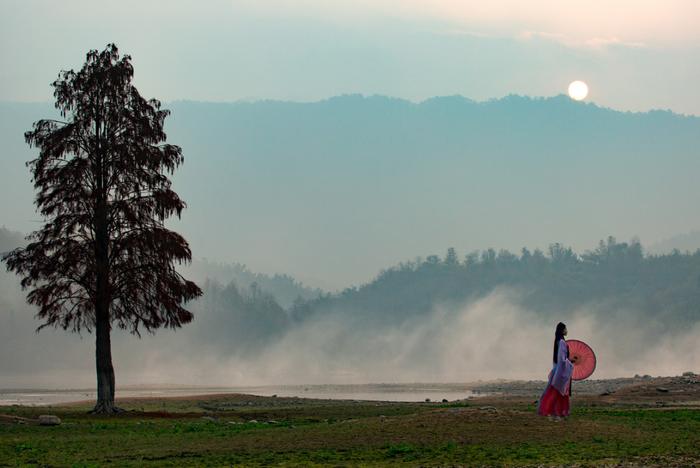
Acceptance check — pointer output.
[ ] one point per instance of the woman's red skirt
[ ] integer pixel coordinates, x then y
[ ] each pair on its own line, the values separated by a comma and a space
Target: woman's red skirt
553, 403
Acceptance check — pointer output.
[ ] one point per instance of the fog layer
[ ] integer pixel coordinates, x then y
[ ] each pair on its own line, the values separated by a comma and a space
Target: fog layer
492, 337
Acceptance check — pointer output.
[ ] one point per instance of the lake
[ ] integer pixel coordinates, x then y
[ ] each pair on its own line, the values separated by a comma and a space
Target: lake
372, 392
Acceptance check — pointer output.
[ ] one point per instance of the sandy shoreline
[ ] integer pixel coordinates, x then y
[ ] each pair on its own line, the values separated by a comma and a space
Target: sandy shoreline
408, 392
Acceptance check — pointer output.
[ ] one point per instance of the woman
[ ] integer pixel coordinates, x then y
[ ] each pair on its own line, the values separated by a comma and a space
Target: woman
555, 399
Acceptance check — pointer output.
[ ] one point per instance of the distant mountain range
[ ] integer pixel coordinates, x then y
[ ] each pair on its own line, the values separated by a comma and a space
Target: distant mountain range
688, 242
333, 191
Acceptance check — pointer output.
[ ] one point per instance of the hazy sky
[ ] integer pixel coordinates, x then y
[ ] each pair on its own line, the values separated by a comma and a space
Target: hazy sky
634, 54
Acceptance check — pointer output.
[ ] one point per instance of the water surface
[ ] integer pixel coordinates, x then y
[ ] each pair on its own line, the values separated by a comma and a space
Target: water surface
371, 392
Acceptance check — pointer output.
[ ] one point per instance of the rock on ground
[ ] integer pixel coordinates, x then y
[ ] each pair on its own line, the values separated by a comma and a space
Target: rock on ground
49, 420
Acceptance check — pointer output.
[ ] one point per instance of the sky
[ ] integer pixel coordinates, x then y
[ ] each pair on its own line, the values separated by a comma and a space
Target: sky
634, 54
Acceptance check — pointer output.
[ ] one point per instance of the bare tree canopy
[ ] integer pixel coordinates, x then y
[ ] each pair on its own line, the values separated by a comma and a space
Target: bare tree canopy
104, 256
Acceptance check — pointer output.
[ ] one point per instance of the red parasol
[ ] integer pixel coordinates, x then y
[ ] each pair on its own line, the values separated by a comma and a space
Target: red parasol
583, 358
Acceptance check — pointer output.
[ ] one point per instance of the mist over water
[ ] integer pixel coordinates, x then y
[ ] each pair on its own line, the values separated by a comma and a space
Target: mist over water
490, 338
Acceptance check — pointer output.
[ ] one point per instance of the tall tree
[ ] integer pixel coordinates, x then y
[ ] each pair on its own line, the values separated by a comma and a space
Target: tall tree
104, 256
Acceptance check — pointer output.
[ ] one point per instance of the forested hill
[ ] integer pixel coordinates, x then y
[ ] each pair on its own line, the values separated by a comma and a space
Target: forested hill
284, 288
615, 278
424, 311
218, 275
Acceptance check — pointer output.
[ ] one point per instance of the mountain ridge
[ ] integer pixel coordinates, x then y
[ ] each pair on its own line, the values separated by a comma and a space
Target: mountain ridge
513, 97
332, 191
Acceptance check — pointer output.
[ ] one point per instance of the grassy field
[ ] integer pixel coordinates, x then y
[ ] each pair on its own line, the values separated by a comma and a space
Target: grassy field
247, 430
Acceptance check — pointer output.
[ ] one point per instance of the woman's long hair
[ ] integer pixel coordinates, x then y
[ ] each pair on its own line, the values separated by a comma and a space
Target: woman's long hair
558, 335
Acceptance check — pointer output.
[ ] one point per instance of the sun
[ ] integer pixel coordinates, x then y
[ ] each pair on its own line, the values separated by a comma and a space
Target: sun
578, 90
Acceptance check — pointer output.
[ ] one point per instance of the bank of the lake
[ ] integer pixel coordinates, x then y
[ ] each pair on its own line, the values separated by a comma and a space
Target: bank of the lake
638, 424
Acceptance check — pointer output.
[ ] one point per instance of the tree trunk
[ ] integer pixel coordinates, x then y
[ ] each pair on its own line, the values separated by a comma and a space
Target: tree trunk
103, 300
103, 342
103, 361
